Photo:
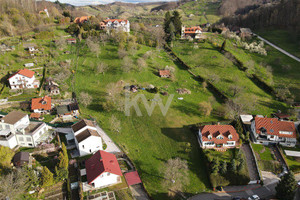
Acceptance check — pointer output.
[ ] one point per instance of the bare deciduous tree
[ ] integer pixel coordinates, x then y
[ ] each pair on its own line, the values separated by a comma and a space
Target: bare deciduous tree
101, 68
115, 124
85, 99
127, 65
205, 108
93, 45
175, 175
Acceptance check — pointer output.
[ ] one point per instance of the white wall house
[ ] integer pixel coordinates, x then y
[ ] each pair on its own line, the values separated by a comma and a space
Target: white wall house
23, 79
16, 129
271, 130
103, 170
218, 136
119, 24
87, 138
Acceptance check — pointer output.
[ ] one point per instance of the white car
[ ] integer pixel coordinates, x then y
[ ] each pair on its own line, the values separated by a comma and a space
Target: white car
254, 197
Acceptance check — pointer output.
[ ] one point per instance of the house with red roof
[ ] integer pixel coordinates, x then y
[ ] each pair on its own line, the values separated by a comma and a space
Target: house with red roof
103, 170
218, 136
193, 32
119, 24
23, 79
164, 73
87, 137
271, 130
82, 19
41, 105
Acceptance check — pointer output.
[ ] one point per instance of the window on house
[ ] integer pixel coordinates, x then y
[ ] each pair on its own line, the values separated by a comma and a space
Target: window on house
28, 139
83, 146
209, 137
230, 136
30, 144
21, 139
108, 174
90, 151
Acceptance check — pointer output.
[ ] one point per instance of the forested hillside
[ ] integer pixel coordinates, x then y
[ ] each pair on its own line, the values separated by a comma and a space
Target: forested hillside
285, 14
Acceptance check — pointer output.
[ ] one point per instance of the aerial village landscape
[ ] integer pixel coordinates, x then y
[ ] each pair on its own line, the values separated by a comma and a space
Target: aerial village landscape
194, 99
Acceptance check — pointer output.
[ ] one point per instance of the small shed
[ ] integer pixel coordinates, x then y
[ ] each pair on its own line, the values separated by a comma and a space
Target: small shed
29, 64
36, 116
164, 73
71, 41
21, 158
132, 178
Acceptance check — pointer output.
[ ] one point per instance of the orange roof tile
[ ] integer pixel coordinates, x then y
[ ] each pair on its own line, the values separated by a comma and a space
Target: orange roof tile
273, 127
215, 130
35, 115
25, 72
164, 72
79, 20
41, 103
112, 20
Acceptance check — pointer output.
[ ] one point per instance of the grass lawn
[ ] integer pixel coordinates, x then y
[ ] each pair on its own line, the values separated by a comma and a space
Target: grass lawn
208, 62
149, 140
285, 39
265, 158
293, 162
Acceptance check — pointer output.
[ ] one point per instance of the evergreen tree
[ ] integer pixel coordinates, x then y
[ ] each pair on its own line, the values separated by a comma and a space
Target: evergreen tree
232, 166
286, 188
31, 178
167, 22
172, 31
215, 166
223, 46
176, 19
223, 167
47, 177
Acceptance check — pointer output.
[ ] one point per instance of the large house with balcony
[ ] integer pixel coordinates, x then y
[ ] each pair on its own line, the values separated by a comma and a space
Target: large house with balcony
103, 170
271, 130
87, 138
218, 136
17, 130
23, 79
119, 24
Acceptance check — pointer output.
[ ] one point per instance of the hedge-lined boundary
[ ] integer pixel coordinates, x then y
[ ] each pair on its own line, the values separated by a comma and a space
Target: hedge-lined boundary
210, 85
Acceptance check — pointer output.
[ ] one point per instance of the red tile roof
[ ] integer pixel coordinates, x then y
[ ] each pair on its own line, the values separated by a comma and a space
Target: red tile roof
273, 127
79, 20
25, 72
164, 72
192, 29
35, 115
132, 178
99, 163
216, 130
41, 103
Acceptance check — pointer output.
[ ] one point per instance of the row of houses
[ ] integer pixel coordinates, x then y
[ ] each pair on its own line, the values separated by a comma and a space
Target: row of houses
108, 24
263, 130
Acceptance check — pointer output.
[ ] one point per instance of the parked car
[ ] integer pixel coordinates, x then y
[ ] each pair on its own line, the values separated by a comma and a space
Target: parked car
254, 197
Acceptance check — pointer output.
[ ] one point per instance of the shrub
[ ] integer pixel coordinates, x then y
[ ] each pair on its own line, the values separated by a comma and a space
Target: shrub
44, 35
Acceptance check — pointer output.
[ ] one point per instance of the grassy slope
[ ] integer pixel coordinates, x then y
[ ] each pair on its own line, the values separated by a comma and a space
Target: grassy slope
150, 140
207, 60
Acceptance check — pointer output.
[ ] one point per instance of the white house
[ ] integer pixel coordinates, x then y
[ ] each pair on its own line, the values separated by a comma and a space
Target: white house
103, 170
218, 136
16, 129
271, 130
24, 78
119, 24
193, 32
41, 105
87, 138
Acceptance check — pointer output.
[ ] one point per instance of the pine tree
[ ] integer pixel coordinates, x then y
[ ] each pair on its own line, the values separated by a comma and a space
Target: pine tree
167, 22
47, 177
172, 31
223, 167
215, 166
286, 188
232, 166
223, 46
176, 19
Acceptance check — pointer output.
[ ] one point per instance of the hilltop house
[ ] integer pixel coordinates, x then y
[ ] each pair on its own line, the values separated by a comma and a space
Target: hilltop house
16, 129
87, 138
193, 32
218, 136
120, 24
24, 78
80, 20
52, 87
103, 170
271, 130
41, 105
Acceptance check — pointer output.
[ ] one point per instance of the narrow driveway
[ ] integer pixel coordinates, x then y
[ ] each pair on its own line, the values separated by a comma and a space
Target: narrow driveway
252, 168
278, 48
111, 146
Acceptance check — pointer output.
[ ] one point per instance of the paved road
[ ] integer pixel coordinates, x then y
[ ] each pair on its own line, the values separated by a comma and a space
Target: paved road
266, 191
278, 48
111, 146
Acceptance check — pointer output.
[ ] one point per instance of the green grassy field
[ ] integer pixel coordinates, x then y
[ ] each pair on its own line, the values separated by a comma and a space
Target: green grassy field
208, 62
263, 151
149, 140
285, 39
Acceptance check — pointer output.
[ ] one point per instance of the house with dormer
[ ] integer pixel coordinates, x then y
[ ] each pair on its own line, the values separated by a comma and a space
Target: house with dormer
23, 79
41, 105
103, 170
218, 136
118, 24
87, 138
273, 131
193, 32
